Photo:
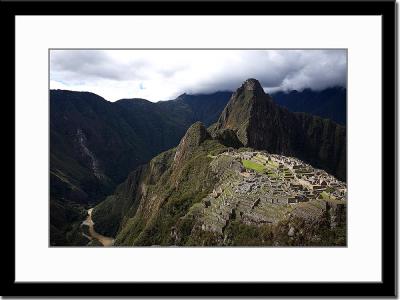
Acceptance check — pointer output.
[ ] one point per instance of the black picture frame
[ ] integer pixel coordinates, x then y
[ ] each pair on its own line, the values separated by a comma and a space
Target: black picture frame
385, 288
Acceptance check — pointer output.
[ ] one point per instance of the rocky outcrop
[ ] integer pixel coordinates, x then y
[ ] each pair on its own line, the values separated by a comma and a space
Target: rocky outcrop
108, 215
228, 138
261, 124
93, 161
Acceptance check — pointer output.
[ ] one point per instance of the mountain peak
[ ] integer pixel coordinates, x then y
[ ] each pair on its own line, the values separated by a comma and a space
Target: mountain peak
248, 99
195, 135
252, 84
181, 96
198, 131
251, 89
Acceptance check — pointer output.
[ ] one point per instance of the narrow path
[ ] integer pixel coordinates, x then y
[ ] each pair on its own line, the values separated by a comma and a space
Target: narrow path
105, 241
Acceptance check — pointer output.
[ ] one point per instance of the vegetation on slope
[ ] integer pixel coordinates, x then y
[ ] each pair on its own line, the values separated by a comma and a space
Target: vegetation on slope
65, 220
248, 164
175, 193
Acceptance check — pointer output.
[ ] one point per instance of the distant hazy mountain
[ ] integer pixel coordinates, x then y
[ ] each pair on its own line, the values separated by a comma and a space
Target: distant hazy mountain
205, 107
329, 103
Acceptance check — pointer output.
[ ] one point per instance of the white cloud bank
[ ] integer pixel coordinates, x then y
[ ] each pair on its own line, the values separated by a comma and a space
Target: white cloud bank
164, 74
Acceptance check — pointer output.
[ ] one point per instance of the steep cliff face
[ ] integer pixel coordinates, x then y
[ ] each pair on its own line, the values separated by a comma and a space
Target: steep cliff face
194, 136
108, 215
239, 110
261, 124
111, 214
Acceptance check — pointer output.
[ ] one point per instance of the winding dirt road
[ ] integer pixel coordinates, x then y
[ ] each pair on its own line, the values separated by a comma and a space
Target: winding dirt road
105, 241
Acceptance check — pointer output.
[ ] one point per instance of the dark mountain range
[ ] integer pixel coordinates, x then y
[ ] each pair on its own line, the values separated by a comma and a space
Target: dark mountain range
99, 142
205, 108
261, 124
96, 143
329, 103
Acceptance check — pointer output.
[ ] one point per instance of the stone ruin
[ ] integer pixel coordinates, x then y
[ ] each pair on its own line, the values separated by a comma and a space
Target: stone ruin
257, 198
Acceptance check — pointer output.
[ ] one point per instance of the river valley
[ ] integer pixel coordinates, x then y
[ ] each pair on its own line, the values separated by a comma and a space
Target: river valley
92, 234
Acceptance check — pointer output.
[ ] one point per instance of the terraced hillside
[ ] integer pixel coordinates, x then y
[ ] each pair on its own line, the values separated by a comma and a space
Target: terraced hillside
267, 189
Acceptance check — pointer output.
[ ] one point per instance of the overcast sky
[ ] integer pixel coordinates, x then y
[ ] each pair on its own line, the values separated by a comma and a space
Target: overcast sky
165, 74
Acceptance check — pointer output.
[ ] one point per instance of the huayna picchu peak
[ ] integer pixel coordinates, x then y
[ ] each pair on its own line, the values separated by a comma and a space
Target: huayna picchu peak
252, 84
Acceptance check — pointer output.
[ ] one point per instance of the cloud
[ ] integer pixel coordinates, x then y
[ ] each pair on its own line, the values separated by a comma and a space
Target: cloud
164, 74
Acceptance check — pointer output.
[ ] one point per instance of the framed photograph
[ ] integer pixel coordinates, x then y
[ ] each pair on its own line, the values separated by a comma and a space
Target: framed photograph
200, 148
